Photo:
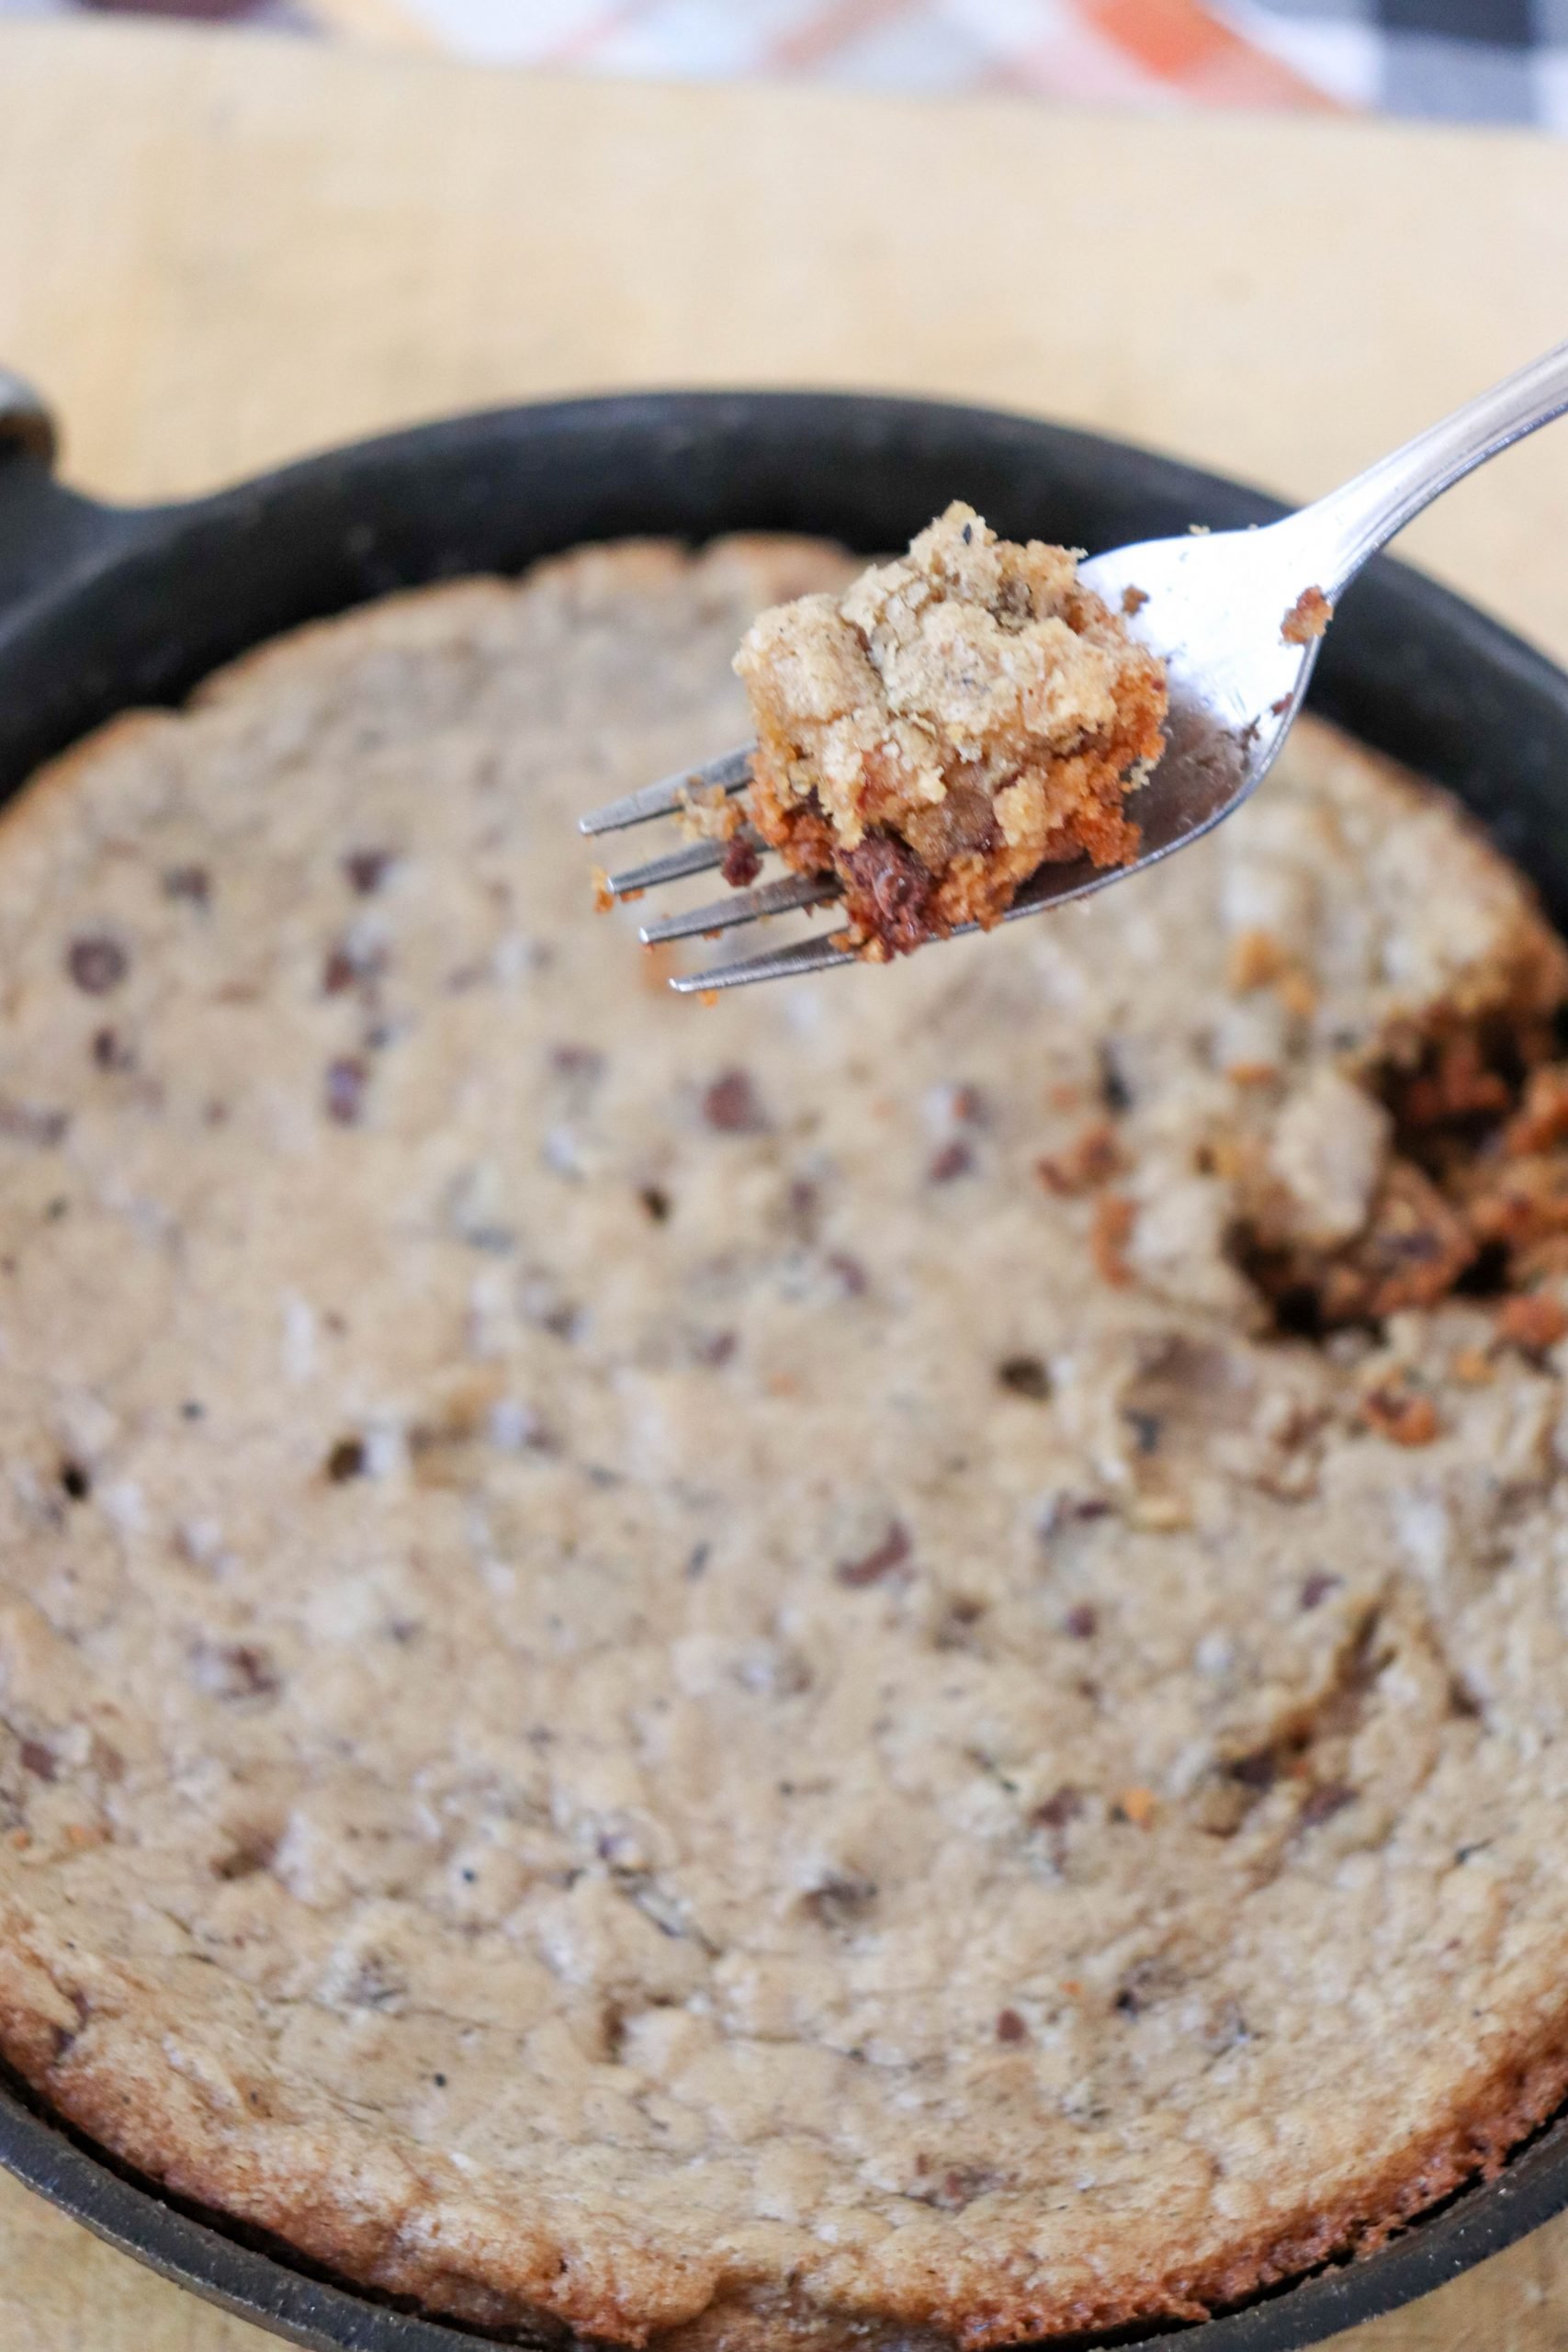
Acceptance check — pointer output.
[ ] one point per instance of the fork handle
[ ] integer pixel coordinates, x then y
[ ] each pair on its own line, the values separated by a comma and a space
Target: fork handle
1343, 529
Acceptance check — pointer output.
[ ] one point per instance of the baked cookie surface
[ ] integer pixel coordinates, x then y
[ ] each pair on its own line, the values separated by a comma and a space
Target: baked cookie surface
714, 1674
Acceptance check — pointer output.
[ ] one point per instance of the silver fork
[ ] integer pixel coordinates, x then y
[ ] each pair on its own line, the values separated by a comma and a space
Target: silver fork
1214, 605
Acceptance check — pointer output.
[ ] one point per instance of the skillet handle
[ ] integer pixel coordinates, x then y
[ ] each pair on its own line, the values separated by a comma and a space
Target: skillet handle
25, 422
46, 531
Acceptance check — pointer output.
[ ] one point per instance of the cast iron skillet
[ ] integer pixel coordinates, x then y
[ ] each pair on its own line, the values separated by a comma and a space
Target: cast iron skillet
103, 608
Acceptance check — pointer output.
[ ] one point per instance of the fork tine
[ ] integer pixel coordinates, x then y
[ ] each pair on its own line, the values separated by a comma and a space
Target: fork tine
692, 857
777, 898
778, 963
731, 772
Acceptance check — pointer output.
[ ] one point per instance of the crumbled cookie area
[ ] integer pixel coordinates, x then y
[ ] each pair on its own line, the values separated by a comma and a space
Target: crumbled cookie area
953, 722
1439, 1167
1308, 618
719, 1681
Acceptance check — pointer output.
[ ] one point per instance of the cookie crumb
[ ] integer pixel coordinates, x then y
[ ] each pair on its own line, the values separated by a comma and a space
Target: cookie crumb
1092, 1158
1307, 618
1114, 1218
1532, 1321
1404, 1415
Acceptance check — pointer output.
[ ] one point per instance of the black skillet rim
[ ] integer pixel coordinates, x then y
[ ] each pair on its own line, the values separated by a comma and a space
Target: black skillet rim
78, 581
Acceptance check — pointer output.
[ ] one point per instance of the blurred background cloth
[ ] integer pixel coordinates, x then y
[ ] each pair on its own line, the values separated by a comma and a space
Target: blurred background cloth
1472, 60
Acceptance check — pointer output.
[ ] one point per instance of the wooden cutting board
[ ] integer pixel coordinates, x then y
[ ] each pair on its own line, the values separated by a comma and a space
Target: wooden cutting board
223, 250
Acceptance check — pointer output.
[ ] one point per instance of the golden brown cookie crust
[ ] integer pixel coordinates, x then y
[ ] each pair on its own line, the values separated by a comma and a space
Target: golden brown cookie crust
707, 1732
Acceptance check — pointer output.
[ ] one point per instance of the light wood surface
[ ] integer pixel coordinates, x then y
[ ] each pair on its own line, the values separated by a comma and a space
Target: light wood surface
221, 251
